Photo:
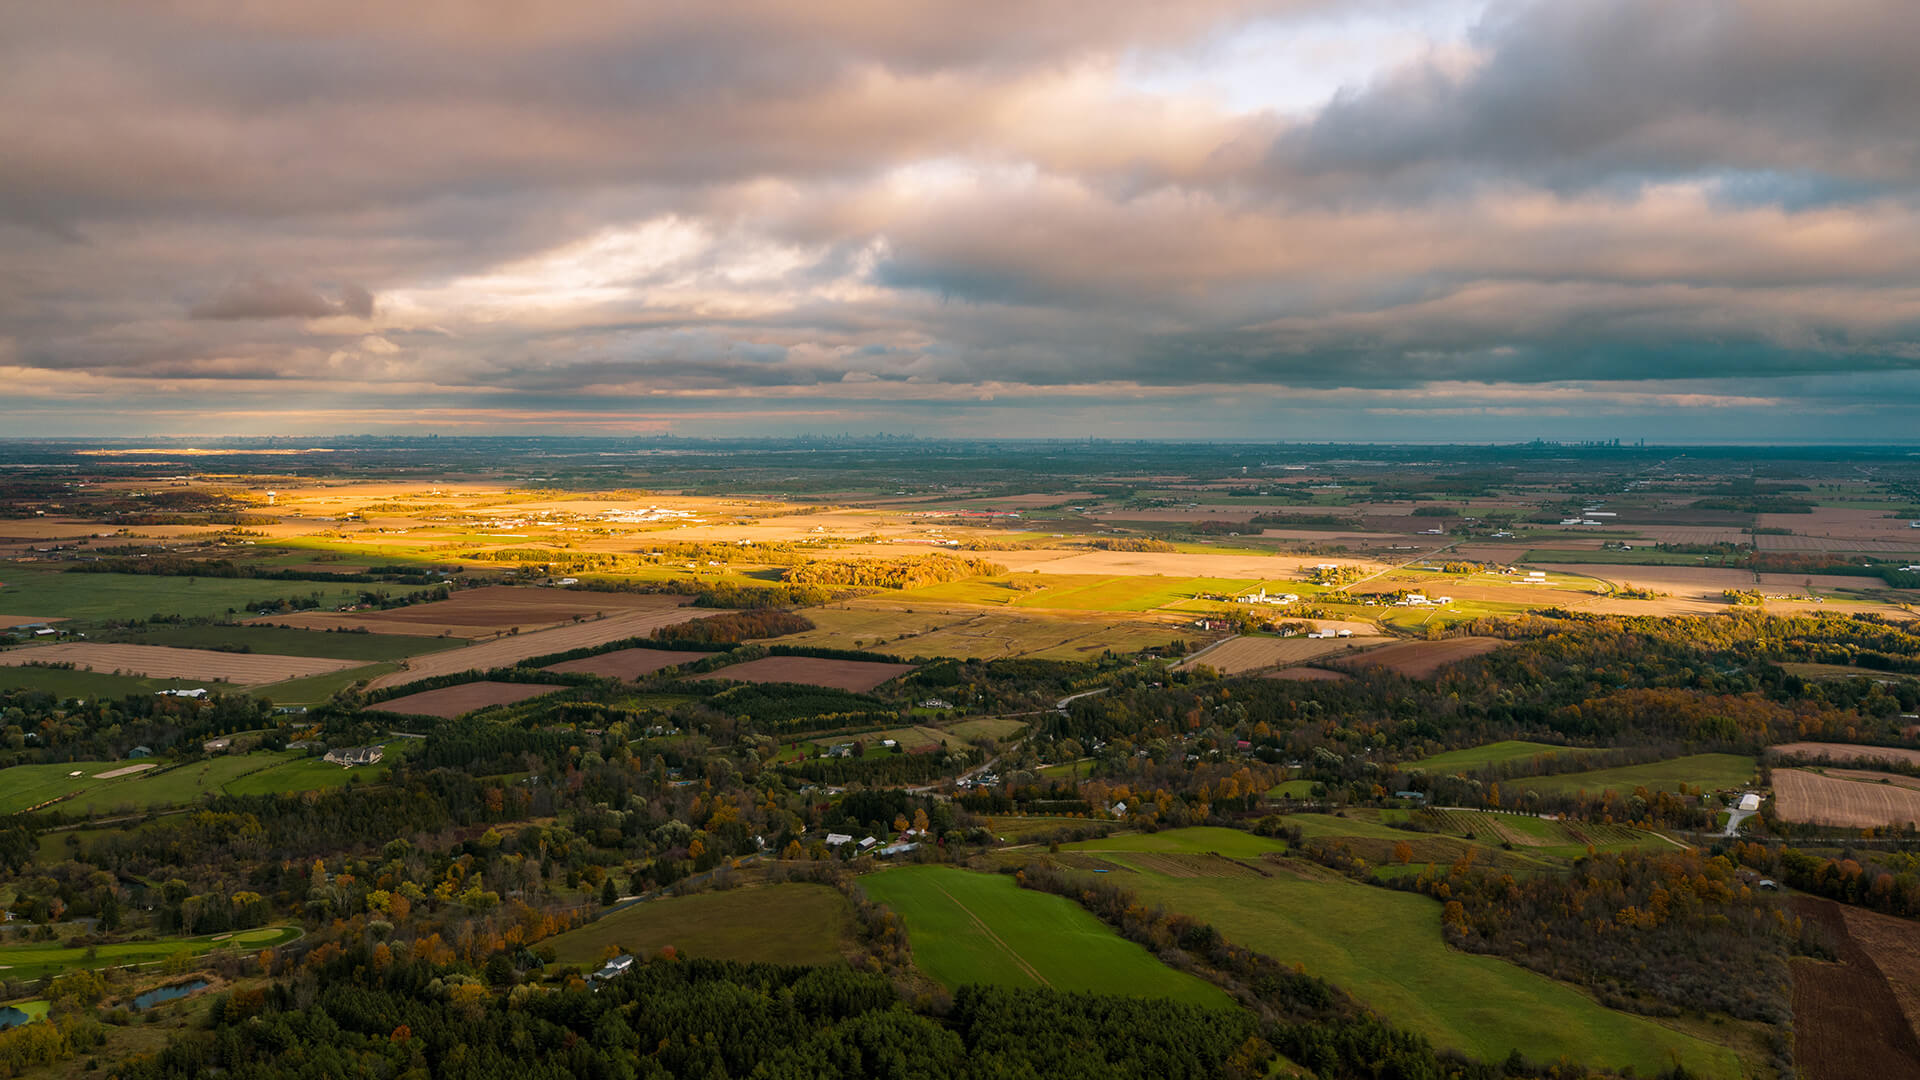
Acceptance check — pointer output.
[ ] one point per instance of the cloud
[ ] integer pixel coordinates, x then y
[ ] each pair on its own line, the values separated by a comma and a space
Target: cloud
266, 298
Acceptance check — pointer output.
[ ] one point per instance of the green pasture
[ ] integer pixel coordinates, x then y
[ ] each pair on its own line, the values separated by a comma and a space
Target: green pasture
1197, 840
1479, 757
315, 689
794, 923
1385, 948
93, 598
968, 927
260, 772
64, 683
38, 959
285, 641
1709, 771
1016, 829
1291, 789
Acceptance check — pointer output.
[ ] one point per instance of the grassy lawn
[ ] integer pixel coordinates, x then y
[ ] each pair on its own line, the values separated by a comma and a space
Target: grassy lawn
1291, 789
285, 641
51, 958
87, 598
1711, 771
1016, 829
792, 923
1385, 948
86, 685
1198, 840
983, 928
1319, 825
302, 774
1478, 757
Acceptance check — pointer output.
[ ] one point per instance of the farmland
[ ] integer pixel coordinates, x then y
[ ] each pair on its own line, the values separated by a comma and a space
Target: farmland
1712, 772
281, 641
68, 683
92, 598
771, 924
627, 664
159, 661
1844, 797
1196, 840
1385, 948
42, 959
1237, 656
494, 609
997, 635
1424, 659
1848, 1018
968, 927
513, 648
856, 675
161, 784
1846, 752
1479, 757
451, 701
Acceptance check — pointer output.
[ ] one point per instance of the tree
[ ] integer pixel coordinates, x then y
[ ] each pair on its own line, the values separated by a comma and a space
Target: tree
608, 894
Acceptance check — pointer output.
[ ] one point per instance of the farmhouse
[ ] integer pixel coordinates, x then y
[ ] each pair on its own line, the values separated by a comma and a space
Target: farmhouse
619, 965
350, 756
1263, 597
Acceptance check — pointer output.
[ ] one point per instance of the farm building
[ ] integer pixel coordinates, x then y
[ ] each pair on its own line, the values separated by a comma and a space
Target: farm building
836, 839
1749, 801
354, 755
619, 965
1261, 596
199, 692
140, 751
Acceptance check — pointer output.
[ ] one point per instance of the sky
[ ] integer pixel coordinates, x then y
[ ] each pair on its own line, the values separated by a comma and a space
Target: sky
1364, 220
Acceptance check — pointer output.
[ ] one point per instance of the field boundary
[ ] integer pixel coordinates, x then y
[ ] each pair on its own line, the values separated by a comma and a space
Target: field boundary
997, 939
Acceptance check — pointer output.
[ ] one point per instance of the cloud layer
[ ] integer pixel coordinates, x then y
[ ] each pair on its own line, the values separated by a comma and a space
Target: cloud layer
750, 217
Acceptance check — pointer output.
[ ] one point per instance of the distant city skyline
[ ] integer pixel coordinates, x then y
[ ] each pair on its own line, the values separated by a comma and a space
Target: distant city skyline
1362, 221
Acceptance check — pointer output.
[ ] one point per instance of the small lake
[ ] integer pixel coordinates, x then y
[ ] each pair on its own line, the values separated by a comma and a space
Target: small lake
164, 994
12, 1017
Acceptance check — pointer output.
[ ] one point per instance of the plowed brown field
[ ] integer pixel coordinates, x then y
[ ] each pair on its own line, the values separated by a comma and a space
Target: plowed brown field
451, 701
507, 651
1847, 800
1847, 752
1421, 659
163, 662
1847, 1023
856, 675
627, 663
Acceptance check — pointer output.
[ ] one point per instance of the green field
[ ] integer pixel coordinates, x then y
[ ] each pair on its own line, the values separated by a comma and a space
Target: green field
1710, 771
87, 685
1291, 789
285, 641
315, 689
967, 927
1015, 828
260, 772
50, 958
89, 598
1198, 840
1089, 592
1479, 757
776, 924
1385, 948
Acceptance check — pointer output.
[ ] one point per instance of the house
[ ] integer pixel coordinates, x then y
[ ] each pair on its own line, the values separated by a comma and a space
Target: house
140, 751
1768, 883
619, 965
1416, 796
568, 581
350, 756
1119, 809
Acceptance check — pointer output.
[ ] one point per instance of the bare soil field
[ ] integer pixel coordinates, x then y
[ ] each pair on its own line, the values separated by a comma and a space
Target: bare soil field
1896, 545
1894, 946
1847, 752
509, 650
1422, 659
1308, 674
1242, 654
491, 608
1843, 522
1692, 534
1061, 636
1847, 1021
451, 701
1844, 801
25, 620
127, 770
855, 675
627, 664
163, 662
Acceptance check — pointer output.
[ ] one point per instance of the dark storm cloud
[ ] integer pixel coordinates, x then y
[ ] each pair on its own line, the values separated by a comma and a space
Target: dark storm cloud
1578, 93
266, 298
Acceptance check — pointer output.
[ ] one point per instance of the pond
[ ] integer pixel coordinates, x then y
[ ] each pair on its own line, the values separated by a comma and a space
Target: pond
12, 1017
162, 995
